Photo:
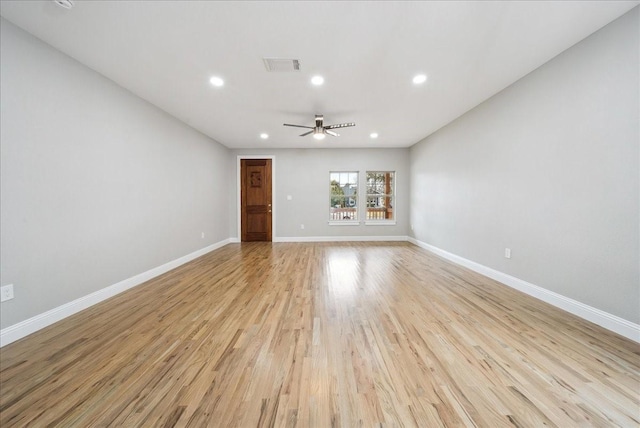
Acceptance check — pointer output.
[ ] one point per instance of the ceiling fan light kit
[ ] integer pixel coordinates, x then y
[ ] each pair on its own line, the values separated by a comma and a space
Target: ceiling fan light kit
319, 131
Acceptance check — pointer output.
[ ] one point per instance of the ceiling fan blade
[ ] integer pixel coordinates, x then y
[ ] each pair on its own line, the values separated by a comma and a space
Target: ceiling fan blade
306, 133
298, 126
340, 125
335, 134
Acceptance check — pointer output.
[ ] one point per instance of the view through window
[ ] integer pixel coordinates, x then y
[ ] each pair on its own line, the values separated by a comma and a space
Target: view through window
344, 196
380, 195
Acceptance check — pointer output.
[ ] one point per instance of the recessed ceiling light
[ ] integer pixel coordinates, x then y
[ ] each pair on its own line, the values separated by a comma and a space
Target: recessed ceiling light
264, 136
373, 135
216, 81
317, 80
67, 4
420, 78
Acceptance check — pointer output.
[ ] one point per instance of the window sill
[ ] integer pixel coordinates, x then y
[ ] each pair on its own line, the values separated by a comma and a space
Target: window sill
380, 223
344, 223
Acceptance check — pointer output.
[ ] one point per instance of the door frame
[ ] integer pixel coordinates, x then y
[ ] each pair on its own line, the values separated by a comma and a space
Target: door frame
239, 192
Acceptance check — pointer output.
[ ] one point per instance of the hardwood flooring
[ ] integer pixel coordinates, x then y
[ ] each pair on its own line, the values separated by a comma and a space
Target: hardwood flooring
320, 335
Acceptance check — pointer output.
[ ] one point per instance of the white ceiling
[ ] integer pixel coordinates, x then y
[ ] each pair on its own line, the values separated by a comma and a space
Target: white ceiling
368, 52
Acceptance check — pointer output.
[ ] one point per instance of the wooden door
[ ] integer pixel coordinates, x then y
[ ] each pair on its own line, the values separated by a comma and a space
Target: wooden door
255, 182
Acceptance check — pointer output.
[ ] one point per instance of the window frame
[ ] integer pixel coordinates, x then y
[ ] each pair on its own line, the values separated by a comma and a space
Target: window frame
392, 196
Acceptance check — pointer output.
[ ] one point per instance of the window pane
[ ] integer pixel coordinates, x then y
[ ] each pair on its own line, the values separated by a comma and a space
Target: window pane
353, 177
344, 196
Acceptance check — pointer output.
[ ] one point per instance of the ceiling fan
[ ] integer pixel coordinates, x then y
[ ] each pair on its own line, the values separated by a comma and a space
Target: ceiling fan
319, 131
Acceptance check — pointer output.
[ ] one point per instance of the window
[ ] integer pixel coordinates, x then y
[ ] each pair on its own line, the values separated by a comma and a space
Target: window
380, 195
344, 196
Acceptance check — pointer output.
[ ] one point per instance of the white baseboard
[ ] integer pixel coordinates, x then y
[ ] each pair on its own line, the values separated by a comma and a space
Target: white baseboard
604, 319
340, 238
33, 324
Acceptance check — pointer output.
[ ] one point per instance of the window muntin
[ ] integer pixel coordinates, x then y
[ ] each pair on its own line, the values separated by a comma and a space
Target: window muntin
343, 204
380, 195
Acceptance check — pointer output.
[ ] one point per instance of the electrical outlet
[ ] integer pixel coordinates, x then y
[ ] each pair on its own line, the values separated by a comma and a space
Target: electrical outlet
202, 235
6, 292
507, 253
302, 226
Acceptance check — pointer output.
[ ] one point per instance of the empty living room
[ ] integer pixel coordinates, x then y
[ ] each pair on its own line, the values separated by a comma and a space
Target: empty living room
319, 213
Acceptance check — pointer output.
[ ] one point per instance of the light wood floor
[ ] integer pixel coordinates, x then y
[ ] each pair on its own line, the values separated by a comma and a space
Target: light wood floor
319, 335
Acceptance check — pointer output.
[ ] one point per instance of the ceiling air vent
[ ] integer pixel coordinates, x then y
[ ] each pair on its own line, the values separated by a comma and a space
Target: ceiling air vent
281, 64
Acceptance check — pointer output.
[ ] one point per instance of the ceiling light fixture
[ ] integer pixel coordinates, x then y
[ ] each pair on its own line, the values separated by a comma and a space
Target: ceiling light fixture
264, 136
317, 80
216, 81
419, 79
373, 135
318, 135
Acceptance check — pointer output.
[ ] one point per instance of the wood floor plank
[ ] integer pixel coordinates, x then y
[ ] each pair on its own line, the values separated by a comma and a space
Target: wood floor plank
321, 334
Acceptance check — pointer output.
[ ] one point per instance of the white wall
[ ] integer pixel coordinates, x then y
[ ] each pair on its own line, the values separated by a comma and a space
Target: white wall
550, 168
304, 174
96, 184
